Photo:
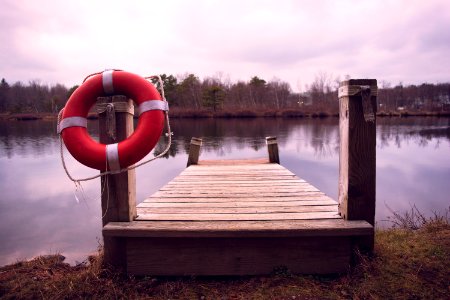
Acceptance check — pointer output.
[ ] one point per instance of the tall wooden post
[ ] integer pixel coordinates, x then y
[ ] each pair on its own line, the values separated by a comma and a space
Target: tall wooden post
194, 151
357, 157
118, 190
272, 148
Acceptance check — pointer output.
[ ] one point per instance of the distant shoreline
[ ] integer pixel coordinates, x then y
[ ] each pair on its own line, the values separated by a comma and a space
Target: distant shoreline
231, 114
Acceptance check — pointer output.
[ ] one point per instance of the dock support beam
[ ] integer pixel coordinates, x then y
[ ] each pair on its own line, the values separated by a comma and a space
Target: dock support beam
357, 156
272, 148
194, 151
118, 190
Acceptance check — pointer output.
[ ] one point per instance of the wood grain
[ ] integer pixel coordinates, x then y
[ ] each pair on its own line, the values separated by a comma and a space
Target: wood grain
213, 203
244, 218
241, 229
194, 151
118, 200
237, 191
153, 216
237, 256
357, 157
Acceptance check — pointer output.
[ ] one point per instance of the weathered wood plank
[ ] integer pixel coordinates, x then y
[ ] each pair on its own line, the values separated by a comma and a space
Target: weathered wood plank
238, 217
242, 229
267, 166
228, 162
207, 178
220, 172
230, 199
212, 180
231, 256
236, 203
200, 169
165, 194
240, 189
237, 183
281, 182
236, 210
239, 192
260, 168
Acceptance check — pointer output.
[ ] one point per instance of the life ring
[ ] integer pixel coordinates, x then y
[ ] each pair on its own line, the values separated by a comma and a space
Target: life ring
113, 157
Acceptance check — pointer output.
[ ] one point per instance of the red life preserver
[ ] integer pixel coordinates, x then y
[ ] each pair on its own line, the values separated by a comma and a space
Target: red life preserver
120, 155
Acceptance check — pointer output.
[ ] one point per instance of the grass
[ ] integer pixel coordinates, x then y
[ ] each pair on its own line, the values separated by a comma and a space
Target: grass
410, 261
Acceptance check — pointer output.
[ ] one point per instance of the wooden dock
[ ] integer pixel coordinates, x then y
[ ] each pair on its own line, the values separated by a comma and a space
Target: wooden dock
238, 217
249, 217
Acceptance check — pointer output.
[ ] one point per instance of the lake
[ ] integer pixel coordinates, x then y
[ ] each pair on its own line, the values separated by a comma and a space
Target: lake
42, 212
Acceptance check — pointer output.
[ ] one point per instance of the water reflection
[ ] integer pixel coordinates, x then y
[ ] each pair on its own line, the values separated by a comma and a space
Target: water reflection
37, 138
39, 213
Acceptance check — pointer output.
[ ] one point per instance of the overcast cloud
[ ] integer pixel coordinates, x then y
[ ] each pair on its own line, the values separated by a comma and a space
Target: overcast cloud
63, 41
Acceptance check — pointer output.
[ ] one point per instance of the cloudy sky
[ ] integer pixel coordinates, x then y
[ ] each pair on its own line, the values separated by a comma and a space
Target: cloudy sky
63, 41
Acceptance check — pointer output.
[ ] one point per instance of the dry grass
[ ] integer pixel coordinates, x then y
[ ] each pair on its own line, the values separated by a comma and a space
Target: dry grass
407, 264
415, 219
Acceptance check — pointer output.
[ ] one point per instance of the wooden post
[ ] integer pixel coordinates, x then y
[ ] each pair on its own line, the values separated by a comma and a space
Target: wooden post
118, 190
194, 151
272, 148
357, 157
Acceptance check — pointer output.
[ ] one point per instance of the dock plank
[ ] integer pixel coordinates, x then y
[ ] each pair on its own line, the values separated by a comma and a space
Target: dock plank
145, 216
208, 208
236, 195
242, 229
311, 197
237, 256
213, 203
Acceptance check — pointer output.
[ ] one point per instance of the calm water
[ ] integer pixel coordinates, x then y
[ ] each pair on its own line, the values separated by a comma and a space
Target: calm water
41, 211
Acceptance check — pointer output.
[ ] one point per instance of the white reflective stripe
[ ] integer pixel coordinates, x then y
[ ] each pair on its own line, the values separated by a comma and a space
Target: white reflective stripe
153, 105
71, 122
112, 155
107, 80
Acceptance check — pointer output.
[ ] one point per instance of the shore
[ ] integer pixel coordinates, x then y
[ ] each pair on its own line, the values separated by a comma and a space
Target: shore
192, 113
408, 263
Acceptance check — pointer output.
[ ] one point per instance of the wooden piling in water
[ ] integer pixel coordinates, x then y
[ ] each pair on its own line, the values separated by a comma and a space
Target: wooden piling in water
194, 151
272, 149
357, 155
118, 190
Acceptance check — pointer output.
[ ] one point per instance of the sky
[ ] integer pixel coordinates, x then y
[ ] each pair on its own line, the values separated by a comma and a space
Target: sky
55, 41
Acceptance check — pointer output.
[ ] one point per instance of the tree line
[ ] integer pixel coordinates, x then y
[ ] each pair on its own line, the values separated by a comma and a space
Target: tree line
33, 97
217, 93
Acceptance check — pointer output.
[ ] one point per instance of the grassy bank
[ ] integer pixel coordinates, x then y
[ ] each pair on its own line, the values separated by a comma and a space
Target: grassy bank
408, 263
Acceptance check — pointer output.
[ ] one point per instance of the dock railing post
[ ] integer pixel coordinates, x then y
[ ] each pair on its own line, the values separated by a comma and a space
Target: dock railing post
357, 155
272, 148
194, 151
118, 191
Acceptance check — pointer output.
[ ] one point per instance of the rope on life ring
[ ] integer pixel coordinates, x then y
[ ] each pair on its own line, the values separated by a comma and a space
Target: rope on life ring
118, 157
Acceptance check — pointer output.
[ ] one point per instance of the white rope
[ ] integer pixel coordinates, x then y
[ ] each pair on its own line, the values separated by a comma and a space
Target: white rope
169, 143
